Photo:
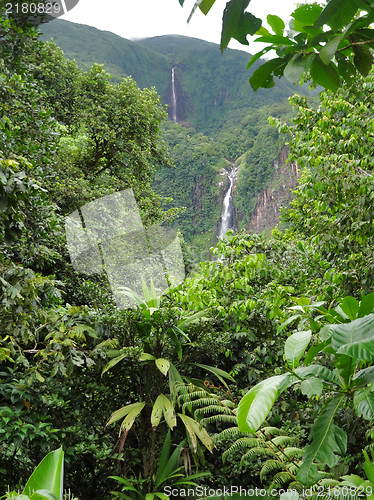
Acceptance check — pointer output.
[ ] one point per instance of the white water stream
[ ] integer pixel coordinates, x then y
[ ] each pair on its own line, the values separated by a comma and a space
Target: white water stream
228, 209
173, 95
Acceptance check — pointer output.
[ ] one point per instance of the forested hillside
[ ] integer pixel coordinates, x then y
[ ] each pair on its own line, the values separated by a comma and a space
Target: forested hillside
213, 100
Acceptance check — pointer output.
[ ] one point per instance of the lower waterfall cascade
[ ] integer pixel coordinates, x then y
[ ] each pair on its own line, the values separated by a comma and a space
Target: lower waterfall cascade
228, 208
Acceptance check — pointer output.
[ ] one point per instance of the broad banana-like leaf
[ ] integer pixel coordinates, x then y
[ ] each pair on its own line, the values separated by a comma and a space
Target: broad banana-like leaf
125, 410
49, 475
163, 365
318, 371
327, 439
365, 376
359, 330
256, 404
363, 402
350, 307
312, 386
220, 374
130, 417
295, 347
163, 406
193, 429
326, 332
362, 350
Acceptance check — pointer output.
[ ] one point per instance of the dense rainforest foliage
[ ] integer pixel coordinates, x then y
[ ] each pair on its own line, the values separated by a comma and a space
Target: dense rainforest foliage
255, 372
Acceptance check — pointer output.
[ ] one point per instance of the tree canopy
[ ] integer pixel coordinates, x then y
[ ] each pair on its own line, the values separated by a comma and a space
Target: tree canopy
325, 45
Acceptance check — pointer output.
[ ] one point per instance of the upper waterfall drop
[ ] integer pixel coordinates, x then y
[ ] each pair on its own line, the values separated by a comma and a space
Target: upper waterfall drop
173, 95
228, 208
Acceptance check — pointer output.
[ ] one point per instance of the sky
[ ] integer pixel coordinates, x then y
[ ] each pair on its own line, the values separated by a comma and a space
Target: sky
134, 19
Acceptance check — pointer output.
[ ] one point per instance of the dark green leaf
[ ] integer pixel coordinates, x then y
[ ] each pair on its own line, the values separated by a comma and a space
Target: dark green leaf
262, 77
297, 66
337, 14
206, 5
348, 72
325, 75
231, 17
363, 59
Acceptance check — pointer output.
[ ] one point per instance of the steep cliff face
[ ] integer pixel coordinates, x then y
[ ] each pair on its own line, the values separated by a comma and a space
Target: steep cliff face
266, 212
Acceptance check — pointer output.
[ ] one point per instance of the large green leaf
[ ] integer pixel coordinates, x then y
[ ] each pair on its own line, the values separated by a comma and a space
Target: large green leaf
194, 429
356, 331
130, 417
262, 77
236, 23
48, 475
325, 75
164, 407
125, 410
364, 403
294, 71
312, 386
350, 306
327, 439
276, 23
295, 347
337, 14
363, 59
256, 404
307, 14
366, 305
163, 365
364, 377
327, 53
318, 371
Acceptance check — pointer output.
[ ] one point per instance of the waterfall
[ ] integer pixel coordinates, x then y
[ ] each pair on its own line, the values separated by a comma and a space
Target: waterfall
228, 208
173, 95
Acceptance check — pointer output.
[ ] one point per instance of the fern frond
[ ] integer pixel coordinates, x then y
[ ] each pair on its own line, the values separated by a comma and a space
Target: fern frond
292, 452
256, 452
231, 432
227, 419
268, 432
282, 479
328, 481
239, 444
295, 485
229, 403
270, 466
212, 408
282, 441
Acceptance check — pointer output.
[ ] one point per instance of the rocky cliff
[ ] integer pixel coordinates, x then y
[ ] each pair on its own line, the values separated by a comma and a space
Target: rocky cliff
278, 194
